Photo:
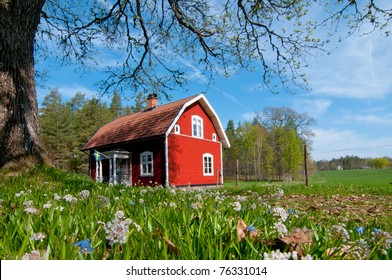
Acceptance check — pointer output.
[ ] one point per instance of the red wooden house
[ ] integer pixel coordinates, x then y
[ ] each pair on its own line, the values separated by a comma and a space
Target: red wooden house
179, 143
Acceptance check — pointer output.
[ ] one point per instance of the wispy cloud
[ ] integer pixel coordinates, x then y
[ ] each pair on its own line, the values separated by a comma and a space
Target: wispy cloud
359, 68
334, 143
313, 107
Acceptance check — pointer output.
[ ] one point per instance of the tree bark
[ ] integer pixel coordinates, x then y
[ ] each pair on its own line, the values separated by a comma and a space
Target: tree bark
19, 140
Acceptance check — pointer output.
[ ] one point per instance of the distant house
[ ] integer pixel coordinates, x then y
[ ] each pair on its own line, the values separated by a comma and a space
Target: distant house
179, 143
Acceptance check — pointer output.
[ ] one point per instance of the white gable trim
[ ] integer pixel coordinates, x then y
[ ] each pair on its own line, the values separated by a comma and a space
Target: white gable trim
210, 112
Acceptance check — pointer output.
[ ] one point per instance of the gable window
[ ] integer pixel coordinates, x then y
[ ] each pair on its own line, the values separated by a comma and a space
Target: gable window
213, 137
197, 127
208, 163
177, 129
146, 164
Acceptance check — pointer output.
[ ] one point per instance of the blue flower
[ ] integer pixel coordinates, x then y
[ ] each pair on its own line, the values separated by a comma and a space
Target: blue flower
360, 230
251, 228
84, 245
295, 212
289, 211
132, 202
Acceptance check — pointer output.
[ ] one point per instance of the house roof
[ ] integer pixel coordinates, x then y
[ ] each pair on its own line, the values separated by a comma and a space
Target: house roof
151, 123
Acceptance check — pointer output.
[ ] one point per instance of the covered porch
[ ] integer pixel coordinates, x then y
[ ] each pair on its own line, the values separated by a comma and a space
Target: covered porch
113, 167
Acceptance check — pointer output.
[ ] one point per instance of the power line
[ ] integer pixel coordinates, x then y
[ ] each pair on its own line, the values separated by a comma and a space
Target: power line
353, 149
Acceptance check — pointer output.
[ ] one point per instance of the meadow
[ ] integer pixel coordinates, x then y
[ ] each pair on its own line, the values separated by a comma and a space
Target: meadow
50, 214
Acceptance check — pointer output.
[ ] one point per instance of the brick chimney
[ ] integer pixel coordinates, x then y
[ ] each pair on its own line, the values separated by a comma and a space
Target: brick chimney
152, 101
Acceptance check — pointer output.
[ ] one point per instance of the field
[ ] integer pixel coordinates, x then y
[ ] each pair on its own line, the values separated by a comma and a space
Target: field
49, 214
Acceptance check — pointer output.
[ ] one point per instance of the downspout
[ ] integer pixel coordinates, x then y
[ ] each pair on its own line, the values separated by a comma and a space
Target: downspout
221, 159
167, 182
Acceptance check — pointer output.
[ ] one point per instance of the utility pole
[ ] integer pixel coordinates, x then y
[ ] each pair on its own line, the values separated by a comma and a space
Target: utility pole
306, 165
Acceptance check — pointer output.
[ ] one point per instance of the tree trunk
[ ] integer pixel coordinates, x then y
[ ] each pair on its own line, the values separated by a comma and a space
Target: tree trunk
19, 141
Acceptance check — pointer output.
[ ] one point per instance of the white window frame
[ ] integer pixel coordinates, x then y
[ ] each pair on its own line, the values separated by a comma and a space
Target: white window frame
213, 137
208, 164
144, 162
177, 129
197, 126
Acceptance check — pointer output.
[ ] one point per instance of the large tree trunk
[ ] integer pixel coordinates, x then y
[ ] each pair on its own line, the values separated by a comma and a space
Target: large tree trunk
19, 141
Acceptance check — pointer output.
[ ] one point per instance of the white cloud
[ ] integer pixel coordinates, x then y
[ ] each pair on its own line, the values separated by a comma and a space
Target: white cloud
313, 107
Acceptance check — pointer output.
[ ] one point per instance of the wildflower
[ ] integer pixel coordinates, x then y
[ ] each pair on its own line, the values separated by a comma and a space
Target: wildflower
360, 230
281, 228
47, 205
172, 205
236, 206
141, 201
117, 230
340, 232
104, 201
38, 236
277, 255
132, 202
251, 228
56, 197
34, 255
84, 245
70, 198
280, 213
84, 194
30, 210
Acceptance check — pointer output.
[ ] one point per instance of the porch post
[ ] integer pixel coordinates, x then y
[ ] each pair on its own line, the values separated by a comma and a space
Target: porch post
114, 170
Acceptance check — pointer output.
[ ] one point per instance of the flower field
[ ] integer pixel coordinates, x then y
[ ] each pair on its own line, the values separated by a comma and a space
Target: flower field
48, 214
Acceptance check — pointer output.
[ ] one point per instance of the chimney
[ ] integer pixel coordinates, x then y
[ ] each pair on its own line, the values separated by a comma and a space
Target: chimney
152, 101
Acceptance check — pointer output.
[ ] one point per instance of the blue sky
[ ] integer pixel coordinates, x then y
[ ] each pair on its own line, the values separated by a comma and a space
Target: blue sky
350, 95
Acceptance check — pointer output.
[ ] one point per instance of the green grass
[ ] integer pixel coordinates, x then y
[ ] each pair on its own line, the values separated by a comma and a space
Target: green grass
160, 223
359, 177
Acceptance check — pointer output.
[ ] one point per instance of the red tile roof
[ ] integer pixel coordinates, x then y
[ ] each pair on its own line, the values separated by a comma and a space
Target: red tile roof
135, 126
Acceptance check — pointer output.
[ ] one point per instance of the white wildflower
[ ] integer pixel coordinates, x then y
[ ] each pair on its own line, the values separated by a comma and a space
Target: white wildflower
141, 201
47, 205
172, 205
30, 210
38, 236
339, 232
56, 197
236, 206
70, 198
281, 228
34, 255
118, 229
280, 213
84, 194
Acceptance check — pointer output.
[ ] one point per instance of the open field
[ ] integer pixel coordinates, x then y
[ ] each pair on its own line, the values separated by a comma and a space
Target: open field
48, 214
358, 177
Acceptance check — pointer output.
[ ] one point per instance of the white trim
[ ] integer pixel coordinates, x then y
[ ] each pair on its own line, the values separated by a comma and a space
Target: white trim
167, 182
147, 153
198, 121
210, 112
210, 162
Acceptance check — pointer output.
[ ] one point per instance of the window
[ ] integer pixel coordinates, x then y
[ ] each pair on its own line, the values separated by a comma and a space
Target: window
177, 129
146, 164
213, 137
208, 165
197, 127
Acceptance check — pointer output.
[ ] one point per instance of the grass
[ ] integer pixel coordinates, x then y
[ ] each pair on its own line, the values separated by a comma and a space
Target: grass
46, 211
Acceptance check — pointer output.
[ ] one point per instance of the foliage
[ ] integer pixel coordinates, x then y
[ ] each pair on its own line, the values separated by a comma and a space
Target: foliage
352, 162
49, 214
66, 126
271, 147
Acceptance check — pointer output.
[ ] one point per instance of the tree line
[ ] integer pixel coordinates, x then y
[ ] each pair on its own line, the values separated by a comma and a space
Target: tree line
271, 147
66, 126
354, 162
